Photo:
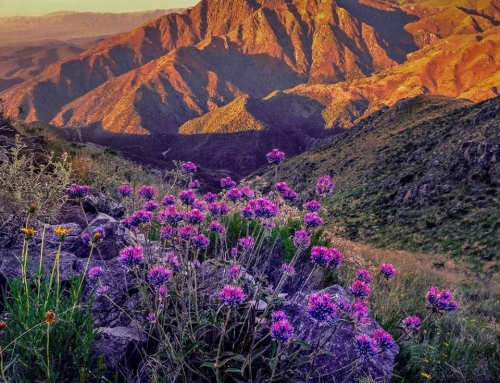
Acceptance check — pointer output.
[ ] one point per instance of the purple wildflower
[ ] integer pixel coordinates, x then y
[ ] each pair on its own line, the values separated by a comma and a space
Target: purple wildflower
131, 256
125, 190
159, 275
170, 216
234, 271
247, 192
234, 195
232, 296
147, 192
151, 318
289, 195
194, 184
364, 276
210, 197
264, 208
336, 258
95, 272
275, 157
313, 206
188, 168
277, 316
227, 183
77, 191
281, 187
281, 331
366, 347
412, 324
162, 292
168, 200
217, 227
150, 206
359, 313
321, 308
196, 264
187, 197
101, 290
195, 216
128, 222
269, 225
313, 220
169, 232
441, 301
325, 185
286, 268
383, 339
247, 212
246, 243
321, 255
141, 216
187, 232
360, 289
86, 238
234, 252
172, 260
200, 205
302, 239
388, 270
218, 209
200, 242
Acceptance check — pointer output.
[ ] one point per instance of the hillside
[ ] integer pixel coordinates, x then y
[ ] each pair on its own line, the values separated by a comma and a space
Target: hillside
421, 175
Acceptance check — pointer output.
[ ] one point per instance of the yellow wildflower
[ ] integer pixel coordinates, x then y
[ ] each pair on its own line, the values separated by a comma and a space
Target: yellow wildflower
426, 376
28, 232
426, 360
59, 230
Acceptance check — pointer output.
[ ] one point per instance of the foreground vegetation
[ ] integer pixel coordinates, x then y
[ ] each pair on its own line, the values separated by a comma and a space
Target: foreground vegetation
461, 346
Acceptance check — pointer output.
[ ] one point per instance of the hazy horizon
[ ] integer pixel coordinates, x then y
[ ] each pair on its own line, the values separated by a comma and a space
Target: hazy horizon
9, 8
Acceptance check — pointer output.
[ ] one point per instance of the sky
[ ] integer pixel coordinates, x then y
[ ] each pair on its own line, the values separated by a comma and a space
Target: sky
42, 7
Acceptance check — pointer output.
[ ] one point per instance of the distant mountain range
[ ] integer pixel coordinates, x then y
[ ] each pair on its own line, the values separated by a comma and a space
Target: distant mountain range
28, 45
282, 68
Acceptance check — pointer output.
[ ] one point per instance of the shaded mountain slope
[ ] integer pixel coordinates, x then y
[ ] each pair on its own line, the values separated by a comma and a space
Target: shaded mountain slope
421, 175
22, 62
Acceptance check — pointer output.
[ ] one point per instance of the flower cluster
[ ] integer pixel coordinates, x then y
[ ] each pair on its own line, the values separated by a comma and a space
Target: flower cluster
289, 269
263, 208
195, 217
77, 191
302, 239
227, 183
147, 192
313, 206
159, 275
187, 197
131, 257
364, 276
218, 209
125, 190
388, 270
150, 206
275, 157
217, 227
232, 296
321, 308
200, 241
168, 200
325, 185
246, 243
194, 184
412, 323
188, 168
360, 289
313, 220
172, 260
281, 329
440, 301
234, 195
95, 272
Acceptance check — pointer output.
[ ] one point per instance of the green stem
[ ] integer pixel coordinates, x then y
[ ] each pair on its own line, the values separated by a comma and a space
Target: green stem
48, 352
39, 271
220, 342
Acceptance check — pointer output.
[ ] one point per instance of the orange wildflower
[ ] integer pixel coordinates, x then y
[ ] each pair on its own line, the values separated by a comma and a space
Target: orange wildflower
50, 317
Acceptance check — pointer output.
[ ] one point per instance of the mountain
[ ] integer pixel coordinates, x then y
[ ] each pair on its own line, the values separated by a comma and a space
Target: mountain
266, 66
71, 26
30, 44
21, 62
423, 175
